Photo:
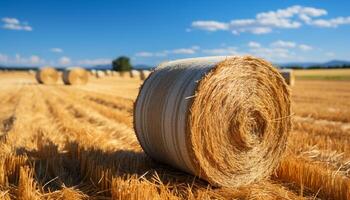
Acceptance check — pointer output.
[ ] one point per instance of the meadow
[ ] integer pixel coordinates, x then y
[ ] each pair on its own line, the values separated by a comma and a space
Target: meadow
78, 142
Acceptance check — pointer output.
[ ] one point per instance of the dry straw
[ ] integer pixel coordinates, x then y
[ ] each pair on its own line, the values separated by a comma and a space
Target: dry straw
75, 76
224, 119
47, 75
288, 76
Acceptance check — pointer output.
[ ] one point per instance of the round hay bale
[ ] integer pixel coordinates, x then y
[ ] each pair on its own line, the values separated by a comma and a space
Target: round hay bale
144, 74
134, 73
288, 76
100, 74
31, 72
47, 75
224, 119
75, 76
108, 72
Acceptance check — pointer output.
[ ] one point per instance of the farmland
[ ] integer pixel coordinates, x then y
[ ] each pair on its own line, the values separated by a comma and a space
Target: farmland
78, 142
321, 74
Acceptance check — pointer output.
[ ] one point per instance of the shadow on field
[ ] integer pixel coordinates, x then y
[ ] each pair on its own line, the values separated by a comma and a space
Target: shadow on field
73, 165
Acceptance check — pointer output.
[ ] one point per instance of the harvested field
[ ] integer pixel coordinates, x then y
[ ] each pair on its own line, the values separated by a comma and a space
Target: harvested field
78, 142
321, 74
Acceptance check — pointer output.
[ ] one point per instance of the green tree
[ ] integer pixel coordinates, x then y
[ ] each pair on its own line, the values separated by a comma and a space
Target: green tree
121, 64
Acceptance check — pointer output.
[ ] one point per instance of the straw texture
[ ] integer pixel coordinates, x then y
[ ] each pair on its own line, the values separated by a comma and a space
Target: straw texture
75, 76
224, 119
47, 75
288, 76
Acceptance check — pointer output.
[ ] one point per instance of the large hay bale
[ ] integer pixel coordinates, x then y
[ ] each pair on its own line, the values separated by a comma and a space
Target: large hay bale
75, 76
144, 74
224, 119
134, 73
47, 75
288, 76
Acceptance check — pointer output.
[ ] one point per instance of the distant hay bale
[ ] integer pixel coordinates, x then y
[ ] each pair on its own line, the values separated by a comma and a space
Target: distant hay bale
75, 76
224, 119
100, 74
108, 72
288, 76
134, 73
47, 75
122, 74
32, 72
144, 74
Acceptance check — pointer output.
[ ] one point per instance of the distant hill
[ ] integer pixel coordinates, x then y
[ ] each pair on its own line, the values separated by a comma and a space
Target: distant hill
329, 64
100, 67
142, 66
336, 63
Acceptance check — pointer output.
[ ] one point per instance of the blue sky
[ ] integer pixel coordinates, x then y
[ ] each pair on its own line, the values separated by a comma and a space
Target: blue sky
64, 33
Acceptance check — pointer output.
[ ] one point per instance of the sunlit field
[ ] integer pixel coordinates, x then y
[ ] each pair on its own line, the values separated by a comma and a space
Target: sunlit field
321, 74
78, 142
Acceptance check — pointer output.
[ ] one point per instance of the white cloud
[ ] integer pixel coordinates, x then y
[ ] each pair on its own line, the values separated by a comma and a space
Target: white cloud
56, 50
222, 51
92, 62
8, 20
283, 44
20, 60
35, 59
195, 47
64, 60
272, 54
330, 54
210, 25
242, 22
182, 51
144, 54
3, 58
330, 23
305, 47
15, 24
261, 30
31, 60
279, 51
265, 22
253, 44
290, 44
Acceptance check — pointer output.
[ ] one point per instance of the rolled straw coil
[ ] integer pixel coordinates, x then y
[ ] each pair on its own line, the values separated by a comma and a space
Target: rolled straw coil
224, 119
47, 75
75, 76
